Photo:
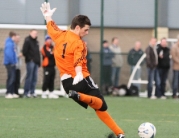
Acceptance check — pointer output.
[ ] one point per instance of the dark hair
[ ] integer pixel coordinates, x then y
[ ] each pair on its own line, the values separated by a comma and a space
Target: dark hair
80, 20
114, 39
105, 41
11, 34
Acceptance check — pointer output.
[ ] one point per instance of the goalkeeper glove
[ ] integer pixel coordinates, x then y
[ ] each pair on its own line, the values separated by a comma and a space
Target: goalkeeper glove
78, 78
46, 11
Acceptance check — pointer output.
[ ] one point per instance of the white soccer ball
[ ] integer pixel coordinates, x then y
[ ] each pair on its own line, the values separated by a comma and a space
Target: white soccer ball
147, 130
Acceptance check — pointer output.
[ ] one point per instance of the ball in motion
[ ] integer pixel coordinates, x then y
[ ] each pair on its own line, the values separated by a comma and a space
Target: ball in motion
146, 130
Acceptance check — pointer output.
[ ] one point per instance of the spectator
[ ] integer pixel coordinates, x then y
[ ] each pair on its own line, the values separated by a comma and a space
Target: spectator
18, 72
117, 61
107, 63
10, 61
88, 57
153, 75
133, 57
32, 58
163, 64
175, 59
48, 69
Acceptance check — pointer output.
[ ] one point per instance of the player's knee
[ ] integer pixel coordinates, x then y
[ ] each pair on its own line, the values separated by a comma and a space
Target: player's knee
104, 106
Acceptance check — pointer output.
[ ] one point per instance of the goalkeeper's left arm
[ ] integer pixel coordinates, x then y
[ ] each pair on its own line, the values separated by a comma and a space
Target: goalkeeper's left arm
52, 28
47, 12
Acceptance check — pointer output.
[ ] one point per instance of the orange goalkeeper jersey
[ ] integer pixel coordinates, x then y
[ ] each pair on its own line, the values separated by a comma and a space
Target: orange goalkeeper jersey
69, 51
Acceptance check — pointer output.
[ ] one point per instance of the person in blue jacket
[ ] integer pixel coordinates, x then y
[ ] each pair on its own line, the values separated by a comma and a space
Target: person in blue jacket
10, 60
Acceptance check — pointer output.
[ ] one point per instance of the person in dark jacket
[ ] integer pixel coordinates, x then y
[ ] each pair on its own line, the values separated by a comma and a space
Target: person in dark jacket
153, 75
48, 69
10, 60
107, 66
32, 58
163, 64
88, 57
133, 57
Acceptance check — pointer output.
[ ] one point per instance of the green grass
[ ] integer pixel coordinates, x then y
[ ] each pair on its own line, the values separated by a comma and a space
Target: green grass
63, 118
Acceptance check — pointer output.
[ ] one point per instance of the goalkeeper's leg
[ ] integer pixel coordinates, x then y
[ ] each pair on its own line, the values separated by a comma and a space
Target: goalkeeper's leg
90, 95
99, 105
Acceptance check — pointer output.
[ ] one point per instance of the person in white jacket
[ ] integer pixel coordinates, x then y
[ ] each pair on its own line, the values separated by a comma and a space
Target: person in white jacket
117, 61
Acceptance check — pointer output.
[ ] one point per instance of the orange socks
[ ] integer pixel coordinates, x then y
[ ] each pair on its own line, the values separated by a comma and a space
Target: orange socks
107, 119
96, 104
92, 101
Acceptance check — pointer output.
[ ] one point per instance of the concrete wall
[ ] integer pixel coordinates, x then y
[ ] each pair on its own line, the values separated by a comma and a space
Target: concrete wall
127, 37
173, 33
23, 33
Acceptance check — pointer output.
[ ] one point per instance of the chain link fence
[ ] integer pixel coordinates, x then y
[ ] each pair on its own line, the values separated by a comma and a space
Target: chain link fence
95, 71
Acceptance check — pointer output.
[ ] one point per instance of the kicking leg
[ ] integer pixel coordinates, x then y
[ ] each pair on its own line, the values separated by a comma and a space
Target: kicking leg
108, 120
100, 107
89, 95
92, 101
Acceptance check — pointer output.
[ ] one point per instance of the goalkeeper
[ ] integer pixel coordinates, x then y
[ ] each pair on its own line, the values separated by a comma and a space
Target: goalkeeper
70, 56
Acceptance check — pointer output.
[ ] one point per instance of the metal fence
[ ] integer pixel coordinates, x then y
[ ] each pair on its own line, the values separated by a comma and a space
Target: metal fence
95, 72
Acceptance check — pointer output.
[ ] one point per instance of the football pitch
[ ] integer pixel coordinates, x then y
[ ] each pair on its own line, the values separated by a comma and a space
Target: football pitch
63, 118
